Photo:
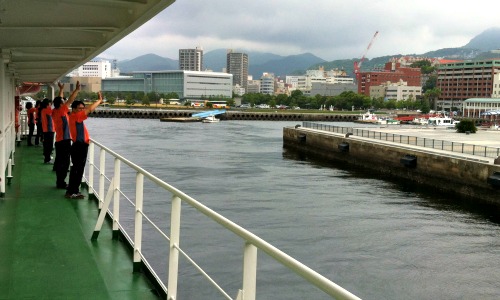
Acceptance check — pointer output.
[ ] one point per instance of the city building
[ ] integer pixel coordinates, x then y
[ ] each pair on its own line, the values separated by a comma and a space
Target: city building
191, 59
325, 83
330, 89
488, 108
459, 81
238, 90
187, 84
392, 72
87, 84
253, 86
237, 65
96, 68
395, 91
267, 84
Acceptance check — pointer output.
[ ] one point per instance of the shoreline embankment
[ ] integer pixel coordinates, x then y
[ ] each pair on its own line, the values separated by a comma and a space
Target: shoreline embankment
468, 176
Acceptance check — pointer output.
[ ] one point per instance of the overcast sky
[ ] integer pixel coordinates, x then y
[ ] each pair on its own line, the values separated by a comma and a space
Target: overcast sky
329, 29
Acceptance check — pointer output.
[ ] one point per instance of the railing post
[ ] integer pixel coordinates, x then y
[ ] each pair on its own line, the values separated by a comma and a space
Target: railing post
249, 272
91, 170
9, 170
139, 194
116, 199
173, 261
102, 175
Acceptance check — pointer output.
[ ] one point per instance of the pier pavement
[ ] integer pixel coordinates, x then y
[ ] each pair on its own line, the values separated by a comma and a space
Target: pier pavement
483, 137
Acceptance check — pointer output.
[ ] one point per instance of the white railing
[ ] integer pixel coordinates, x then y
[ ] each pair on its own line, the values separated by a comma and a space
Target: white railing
252, 243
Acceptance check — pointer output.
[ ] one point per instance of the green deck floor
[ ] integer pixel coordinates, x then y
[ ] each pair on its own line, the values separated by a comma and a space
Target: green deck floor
45, 246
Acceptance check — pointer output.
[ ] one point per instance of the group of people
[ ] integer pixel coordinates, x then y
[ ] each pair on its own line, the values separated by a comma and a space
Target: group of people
54, 120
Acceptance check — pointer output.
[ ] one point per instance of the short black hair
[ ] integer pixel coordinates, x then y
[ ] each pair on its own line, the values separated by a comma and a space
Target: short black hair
58, 101
29, 105
45, 103
76, 103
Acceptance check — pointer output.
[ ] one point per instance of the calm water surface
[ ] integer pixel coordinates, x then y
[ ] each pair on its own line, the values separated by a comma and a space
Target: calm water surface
378, 239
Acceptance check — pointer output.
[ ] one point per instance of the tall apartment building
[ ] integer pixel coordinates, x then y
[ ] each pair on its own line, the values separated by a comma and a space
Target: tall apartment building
191, 59
459, 81
392, 72
237, 64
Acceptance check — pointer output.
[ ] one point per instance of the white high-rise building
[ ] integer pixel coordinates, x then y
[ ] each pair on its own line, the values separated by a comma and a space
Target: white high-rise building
237, 64
191, 59
96, 68
267, 84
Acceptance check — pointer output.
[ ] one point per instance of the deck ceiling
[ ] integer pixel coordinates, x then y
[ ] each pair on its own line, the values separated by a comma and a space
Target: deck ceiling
41, 41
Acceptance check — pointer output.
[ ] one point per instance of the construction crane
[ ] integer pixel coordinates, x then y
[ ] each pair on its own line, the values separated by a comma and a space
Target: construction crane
357, 65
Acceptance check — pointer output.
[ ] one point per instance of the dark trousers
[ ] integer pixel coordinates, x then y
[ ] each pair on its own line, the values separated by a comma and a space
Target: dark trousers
78, 158
48, 145
61, 162
31, 128
38, 136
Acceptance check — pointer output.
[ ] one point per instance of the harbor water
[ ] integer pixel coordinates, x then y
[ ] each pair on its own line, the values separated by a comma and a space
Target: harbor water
377, 238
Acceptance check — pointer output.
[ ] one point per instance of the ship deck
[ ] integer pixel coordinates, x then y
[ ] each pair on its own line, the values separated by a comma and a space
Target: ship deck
46, 250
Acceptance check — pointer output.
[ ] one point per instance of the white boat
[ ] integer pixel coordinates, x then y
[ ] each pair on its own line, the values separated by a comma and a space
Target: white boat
210, 119
368, 117
387, 121
442, 121
420, 121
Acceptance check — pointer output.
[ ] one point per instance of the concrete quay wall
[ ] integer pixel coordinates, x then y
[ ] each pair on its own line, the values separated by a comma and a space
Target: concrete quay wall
229, 115
449, 173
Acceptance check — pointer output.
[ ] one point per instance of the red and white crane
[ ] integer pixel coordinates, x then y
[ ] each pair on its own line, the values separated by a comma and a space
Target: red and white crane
357, 65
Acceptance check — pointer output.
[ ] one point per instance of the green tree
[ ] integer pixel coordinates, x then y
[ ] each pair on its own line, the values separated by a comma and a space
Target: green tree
171, 95
391, 104
281, 99
424, 65
425, 107
129, 100
430, 83
145, 100
466, 125
378, 103
433, 95
153, 97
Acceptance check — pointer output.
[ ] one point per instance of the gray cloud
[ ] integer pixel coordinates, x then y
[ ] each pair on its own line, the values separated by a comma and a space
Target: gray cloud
330, 29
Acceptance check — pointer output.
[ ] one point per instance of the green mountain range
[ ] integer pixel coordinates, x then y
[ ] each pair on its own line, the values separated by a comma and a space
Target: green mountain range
479, 47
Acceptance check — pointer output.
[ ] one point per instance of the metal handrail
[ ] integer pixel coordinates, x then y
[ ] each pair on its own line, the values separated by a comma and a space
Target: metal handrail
477, 150
252, 243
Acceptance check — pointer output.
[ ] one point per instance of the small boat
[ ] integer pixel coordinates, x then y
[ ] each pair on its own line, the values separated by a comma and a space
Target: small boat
210, 119
442, 121
368, 117
387, 121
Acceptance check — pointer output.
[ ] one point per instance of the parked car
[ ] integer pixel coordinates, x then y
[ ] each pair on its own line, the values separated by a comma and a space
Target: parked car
262, 106
245, 105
